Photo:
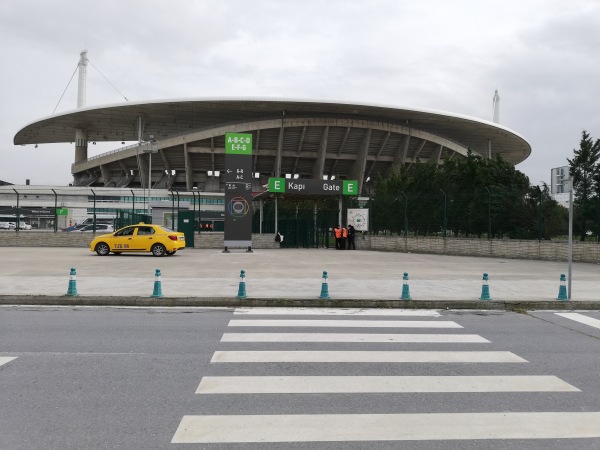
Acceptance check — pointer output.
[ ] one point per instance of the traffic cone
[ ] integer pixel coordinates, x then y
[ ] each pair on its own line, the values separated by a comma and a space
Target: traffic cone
485, 289
405, 289
562, 290
157, 284
242, 287
72, 290
324, 287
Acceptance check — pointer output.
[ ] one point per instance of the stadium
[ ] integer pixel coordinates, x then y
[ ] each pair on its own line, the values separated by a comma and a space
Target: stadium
291, 138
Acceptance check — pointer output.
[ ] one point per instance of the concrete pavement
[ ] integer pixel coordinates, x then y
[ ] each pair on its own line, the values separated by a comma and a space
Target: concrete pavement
290, 277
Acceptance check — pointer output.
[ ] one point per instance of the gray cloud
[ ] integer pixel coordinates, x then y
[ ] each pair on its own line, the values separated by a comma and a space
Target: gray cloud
540, 54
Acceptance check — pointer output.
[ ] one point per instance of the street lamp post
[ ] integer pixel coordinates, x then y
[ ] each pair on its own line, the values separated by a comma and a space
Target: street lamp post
541, 215
151, 147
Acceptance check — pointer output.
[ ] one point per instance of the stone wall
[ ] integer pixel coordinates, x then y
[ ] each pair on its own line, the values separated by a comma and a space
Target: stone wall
215, 240
31, 238
514, 249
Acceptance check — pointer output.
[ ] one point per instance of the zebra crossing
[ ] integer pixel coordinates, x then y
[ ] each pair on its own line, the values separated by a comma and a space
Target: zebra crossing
581, 319
434, 425
6, 359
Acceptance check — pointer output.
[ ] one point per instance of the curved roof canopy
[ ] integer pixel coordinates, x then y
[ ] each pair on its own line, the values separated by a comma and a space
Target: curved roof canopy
291, 136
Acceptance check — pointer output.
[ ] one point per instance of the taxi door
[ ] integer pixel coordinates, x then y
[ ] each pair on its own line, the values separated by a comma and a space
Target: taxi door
143, 238
122, 240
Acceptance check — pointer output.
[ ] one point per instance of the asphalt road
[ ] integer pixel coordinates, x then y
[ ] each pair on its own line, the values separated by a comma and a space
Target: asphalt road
114, 378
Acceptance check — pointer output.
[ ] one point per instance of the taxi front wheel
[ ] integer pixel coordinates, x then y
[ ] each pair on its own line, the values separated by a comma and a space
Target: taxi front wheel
158, 250
102, 249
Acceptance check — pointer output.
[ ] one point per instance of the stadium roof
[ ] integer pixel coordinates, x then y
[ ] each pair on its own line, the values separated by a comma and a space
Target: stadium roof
305, 137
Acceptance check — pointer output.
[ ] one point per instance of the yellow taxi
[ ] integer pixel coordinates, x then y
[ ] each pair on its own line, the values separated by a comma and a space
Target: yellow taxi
141, 237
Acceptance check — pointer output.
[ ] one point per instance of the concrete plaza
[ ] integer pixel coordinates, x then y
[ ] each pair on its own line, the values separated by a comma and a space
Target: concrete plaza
288, 274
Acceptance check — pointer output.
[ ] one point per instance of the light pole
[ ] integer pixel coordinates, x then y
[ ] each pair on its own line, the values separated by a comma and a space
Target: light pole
541, 215
151, 147
570, 249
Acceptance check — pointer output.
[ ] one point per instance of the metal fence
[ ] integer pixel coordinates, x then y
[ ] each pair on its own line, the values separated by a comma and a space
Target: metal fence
55, 209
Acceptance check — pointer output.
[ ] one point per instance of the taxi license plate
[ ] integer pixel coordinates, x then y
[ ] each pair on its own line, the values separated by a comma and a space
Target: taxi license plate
181, 238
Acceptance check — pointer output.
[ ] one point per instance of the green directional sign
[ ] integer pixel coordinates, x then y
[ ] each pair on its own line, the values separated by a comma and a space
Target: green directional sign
350, 187
276, 184
238, 144
62, 212
313, 187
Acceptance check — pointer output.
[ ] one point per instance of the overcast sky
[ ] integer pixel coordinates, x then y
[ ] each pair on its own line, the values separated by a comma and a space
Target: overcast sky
543, 56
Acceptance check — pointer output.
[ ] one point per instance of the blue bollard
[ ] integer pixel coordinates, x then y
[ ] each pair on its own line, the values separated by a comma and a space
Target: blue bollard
562, 290
242, 287
405, 289
157, 285
485, 289
72, 290
324, 287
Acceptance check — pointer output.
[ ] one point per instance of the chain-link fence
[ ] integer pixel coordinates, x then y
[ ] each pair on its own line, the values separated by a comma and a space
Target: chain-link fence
487, 214
490, 214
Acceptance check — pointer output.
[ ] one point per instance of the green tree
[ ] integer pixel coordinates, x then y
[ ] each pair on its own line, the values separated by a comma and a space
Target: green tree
474, 194
585, 172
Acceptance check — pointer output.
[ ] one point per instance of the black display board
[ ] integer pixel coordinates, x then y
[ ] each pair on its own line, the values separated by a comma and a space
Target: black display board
238, 191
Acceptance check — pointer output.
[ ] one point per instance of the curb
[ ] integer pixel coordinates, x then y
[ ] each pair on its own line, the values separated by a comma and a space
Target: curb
500, 305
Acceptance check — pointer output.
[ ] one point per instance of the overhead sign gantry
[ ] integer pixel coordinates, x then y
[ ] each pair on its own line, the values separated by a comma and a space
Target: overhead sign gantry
313, 187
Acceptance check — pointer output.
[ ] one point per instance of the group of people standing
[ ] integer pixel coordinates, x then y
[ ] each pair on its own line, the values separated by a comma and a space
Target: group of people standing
344, 237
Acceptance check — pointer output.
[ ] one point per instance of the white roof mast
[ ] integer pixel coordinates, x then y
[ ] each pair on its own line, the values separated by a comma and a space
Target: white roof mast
496, 106
82, 83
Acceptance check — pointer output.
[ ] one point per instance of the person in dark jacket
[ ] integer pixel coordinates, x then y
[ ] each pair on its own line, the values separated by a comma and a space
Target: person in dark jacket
351, 232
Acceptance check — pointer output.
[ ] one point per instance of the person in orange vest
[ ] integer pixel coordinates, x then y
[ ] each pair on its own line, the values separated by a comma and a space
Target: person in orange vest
344, 237
337, 234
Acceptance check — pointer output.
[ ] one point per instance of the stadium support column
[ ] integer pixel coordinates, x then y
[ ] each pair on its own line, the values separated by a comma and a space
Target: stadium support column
400, 155
358, 168
189, 178
319, 166
80, 145
278, 156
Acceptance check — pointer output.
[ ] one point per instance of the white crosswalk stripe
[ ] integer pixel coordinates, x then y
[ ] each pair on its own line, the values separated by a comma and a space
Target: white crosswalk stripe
336, 312
386, 427
364, 356
353, 337
344, 323
433, 425
379, 384
6, 359
581, 319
